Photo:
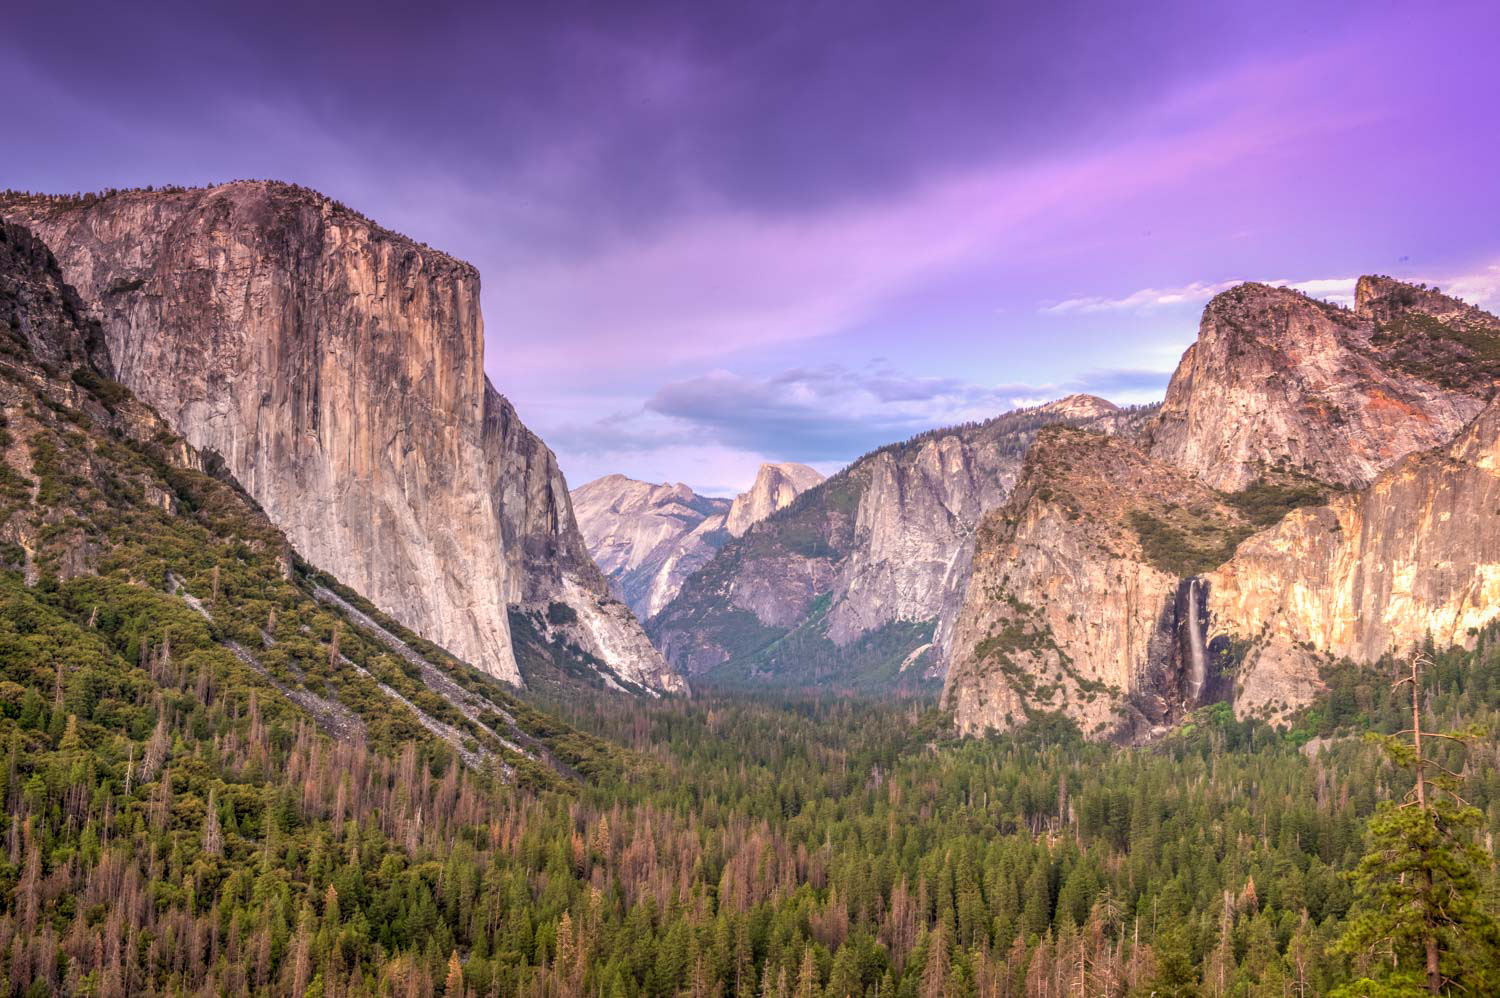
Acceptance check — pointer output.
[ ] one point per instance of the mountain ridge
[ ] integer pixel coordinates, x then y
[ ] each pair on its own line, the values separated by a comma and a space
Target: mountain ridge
869, 557
647, 538
160, 570
338, 369
1294, 421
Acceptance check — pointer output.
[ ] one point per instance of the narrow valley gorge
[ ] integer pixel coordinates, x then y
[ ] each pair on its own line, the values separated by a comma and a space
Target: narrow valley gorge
850, 586
1118, 567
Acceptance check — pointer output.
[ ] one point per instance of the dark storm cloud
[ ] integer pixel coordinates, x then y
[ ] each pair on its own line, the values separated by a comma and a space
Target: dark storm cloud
644, 106
657, 189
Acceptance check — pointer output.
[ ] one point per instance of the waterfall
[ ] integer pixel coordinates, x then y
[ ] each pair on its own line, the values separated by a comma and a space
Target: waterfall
1198, 670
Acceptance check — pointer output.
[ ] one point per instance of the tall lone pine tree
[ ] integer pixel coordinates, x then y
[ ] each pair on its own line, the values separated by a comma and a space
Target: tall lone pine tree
1420, 926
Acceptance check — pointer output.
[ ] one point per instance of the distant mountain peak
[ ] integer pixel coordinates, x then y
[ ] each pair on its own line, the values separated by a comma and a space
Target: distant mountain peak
776, 485
647, 538
1080, 406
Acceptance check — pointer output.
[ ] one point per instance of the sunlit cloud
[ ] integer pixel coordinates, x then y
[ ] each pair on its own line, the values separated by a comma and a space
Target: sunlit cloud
1339, 290
1478, 287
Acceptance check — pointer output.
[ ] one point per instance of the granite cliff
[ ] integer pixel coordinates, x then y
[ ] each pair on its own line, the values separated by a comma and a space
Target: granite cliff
1297, 498
776, 485
848, 584
1416, 555
648, 538
136, 563
1075, 602
337, 369
1278, 380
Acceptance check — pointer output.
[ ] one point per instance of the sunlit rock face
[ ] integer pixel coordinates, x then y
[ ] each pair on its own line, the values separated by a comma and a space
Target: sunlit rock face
1417, 553
1280, 380
1066, 611
338, 370
776, 485
648, 538
886, 541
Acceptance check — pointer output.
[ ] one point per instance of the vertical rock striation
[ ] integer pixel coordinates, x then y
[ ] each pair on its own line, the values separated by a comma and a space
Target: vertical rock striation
1278, 380
338, 370
1075, 602
648, 538
776, 485
881, 548
1414, 555
1128, 566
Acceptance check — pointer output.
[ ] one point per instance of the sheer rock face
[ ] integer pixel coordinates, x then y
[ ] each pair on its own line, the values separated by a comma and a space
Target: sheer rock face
45, 315
1277, 379
1416, 553
886, 539
776, 485
648, 538
338, 370
1064, 611
1278, 388
546, 552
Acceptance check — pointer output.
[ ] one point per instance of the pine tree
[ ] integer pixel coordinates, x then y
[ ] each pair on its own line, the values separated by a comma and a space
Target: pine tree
1174, 977
807, 977
453, 987
935, 973
1420, 924
213, 835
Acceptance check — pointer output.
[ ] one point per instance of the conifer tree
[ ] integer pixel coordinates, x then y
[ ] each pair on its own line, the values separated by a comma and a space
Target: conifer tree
453, 986
1420, 925
213, 835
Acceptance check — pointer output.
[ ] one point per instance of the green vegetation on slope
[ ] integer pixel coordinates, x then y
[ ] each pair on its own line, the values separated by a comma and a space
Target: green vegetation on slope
848, 847
888, 659
1186, 542
1457, 355
1182, 543
706, 630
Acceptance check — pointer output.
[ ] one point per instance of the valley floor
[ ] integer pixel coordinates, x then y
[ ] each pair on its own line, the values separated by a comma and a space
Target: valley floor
724, 847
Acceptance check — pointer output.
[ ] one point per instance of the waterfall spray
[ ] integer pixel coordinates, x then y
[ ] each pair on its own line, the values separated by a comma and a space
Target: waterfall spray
1198, 669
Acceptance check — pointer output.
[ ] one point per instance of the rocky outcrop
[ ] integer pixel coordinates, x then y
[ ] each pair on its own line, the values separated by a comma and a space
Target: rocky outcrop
1098, 590
337, 368
776, 485
884, 542
648, 538
1075, 602
915, 521
1416, 554
1278, 380
546, 553
180, 578
42, 316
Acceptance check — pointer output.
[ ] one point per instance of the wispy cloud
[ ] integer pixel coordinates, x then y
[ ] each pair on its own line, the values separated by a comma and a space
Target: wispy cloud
824, 415
1480, 286
723, 280
1334, 289
829, 413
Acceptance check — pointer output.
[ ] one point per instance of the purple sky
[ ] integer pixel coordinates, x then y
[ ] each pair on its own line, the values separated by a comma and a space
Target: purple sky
715, 234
